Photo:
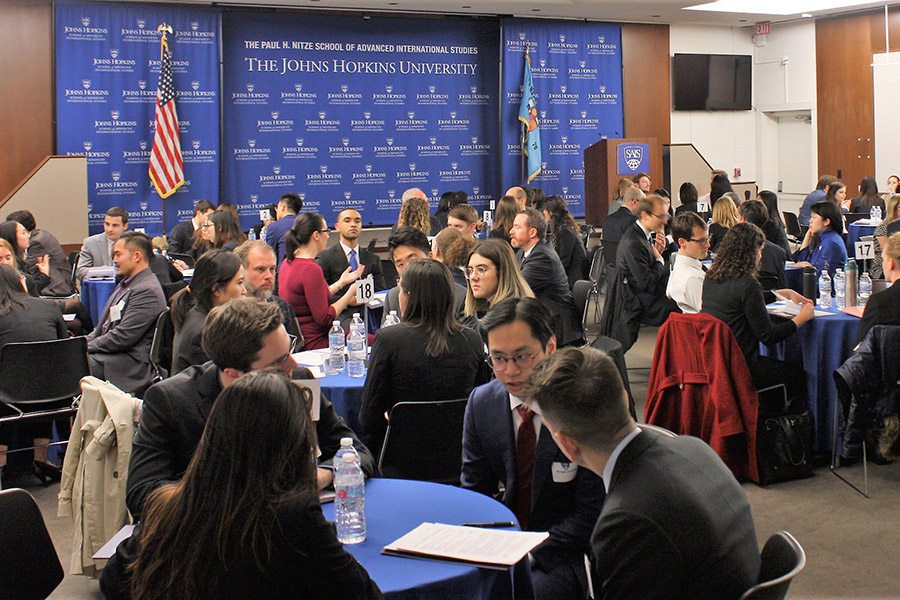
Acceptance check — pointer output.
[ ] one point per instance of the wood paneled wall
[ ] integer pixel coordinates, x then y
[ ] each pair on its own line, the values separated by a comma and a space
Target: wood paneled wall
26, 70
647, 82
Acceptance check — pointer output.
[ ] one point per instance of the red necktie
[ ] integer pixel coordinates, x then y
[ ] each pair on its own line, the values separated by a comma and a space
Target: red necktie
525, 444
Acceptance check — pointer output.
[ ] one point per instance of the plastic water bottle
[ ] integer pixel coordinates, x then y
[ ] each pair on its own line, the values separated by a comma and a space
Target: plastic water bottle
878, 214
336, 349
488, 226
865, 288
825, 289
349, 501
839, 288
346, 448
357, 347
251, 235
872, 214
391, 319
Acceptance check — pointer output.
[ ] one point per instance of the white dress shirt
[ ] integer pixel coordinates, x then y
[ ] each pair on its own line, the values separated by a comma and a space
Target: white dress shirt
611, 463
517, 418
685, 285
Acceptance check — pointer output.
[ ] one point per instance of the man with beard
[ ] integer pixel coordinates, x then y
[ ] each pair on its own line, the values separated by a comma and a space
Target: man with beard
258, 259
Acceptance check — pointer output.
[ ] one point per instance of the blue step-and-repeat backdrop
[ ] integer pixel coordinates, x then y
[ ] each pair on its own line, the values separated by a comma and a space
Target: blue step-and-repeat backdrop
346, 112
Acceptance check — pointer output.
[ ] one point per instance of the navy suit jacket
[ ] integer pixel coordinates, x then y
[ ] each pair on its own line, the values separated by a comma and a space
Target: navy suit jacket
568, 510
547, 278
275, 236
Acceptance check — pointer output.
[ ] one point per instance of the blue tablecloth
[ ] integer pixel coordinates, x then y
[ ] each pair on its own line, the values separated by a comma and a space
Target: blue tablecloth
793, 278
395, 507
854, 232
345, 393
819, 347
94, 295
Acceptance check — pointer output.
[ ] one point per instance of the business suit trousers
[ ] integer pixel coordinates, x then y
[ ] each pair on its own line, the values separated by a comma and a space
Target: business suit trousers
566, 581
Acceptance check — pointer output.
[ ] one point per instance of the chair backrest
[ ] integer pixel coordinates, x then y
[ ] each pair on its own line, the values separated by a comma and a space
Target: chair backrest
161, 346
73, 264
36, 372
791, 224
781, 559
580, 293
29, 566
390, 273
586, 231
768, 282
424, 441
609, 252
371, 247
853, 217
595, 260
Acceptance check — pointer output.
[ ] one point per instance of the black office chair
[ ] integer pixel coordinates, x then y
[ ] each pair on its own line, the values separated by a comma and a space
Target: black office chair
853, 217
161, 347
390, 273
792, 227
782, 559
41, 381
586, 231
29, 566
424, 441
594, 260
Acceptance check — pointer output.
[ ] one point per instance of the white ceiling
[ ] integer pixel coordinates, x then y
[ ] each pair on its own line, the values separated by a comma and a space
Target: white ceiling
632, 11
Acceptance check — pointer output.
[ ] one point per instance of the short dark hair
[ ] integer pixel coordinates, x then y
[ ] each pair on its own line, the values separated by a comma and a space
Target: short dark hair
408, 236
118, 211
648, 204
662, 193
687, 192
683, 225
528, 310
825, 181
536, 220
292, 201
233, 333
581, 393
204, 206
138, 241
464, 212
24, 217
754, 212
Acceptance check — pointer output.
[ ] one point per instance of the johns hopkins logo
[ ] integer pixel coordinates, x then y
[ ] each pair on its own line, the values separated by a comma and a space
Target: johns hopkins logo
563, 88
367, 115
251, 143
565, 190
194, 25
276, 169
601, 38
321, 114
543, 114
323, 168
390, 141
86, 84
454, 165
475, 190
391, 194
142, 84
433, 140
344, 88
389, 88
90, 207
562, 37
368, 168
565, 139
602, 89
113, 52
250, 87
522, 35
85, 21
474, 140
431, 89
299, 142
143, 144
195, 85
116, 175
412, 167
411, 115
144, 205
298, 87
274, 115
196, 144
114, 114
142, 23
302, 195
453, 115
346, 195
543, 62
254, 198
581, 63
584, 114
434, 192
345, 141
474, 89
87, 146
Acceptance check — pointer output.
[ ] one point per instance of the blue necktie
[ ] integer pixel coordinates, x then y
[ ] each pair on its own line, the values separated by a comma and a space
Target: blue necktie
354, 264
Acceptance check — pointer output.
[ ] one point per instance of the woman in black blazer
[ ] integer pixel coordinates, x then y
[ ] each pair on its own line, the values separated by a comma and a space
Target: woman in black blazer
245, 520
565, 236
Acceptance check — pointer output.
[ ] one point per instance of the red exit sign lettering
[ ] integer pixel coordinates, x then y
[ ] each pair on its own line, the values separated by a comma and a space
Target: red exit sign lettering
763, 28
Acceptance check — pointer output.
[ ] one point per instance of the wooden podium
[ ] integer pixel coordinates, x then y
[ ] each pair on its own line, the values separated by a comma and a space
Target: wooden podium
601, 174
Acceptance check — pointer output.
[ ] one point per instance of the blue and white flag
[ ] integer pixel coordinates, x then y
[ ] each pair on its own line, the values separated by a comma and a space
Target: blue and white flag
531, 130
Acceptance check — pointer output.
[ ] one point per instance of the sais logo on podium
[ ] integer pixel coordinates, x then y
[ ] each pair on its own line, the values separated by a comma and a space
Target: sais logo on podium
632, 158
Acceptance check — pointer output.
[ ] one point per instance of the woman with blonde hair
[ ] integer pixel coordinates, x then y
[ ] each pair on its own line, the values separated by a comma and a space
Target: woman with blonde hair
452, 247
493, 275
414, 212
881, 236
619, 194
724, 217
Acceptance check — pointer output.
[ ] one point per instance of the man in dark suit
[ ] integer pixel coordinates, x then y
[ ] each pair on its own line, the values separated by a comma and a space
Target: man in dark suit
771, 267
675, 523
243, 335
42, 243
258, 260
181, 240
620, 221
502, 445
289, 205
639, 259
546, 276
119, 347
347, 254
883, 308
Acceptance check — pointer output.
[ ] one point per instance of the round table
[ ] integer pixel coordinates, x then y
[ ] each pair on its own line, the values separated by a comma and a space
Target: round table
94, 295
793, 278
819, 347
856, 231
395, 507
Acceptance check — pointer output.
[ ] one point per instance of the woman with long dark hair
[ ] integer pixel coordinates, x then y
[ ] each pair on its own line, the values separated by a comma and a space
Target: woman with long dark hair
687, 193
837, 195
823, 247
218, 277
494, 275
868, 197
565, 236
428, 356
245, 520
718, 188
507, 209
302, 283
221, 231
27, 319
774, 229
732, 294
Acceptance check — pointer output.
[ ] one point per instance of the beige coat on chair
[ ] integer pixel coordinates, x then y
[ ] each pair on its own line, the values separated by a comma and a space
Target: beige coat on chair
95, 470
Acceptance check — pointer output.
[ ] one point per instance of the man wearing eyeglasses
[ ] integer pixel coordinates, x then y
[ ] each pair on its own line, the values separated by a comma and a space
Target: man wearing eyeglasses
639, 259
685, 285
505, 443
242, 335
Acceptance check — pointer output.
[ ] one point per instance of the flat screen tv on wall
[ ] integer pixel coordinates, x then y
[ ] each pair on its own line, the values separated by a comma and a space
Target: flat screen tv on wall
713, 82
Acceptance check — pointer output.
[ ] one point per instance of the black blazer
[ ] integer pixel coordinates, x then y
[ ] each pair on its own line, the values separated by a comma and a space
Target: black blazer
716, 233
334, 262
675, 525
547, 278
644, 276
776, 234
186, 347
307, 561
772, 263
172, 420
572, 254
181, 240
882, 308
616, 224
39, 320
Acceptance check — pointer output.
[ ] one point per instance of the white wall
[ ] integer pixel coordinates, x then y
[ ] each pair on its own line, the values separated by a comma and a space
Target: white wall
887, 117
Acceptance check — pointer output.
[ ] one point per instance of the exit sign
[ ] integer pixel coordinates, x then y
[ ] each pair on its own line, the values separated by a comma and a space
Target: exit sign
763, 28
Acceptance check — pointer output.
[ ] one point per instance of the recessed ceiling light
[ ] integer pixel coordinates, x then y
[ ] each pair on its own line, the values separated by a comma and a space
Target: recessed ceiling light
774, 7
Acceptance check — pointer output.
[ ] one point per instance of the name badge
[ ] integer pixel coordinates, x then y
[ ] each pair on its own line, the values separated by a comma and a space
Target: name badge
115, 311
564, 472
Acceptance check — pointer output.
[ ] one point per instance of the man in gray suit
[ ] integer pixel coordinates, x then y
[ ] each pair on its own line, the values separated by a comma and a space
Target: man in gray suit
96, 251
119, 347
675, 523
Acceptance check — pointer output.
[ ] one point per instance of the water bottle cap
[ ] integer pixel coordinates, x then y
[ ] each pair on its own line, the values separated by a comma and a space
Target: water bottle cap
346, 441
348, 458
336, 322
393, 312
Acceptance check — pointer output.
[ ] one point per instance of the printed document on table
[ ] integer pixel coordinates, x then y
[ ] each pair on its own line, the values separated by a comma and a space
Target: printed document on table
489, 548
789, 309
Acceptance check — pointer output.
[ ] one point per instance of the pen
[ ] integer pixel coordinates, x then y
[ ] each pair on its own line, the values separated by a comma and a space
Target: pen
494, 524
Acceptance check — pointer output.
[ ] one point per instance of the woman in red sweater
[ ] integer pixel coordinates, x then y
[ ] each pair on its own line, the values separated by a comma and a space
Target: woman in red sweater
302, 284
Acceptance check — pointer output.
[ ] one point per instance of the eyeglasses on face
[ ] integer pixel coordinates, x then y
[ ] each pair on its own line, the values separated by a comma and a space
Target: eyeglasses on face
522, 361
480, 271
705, 240
280, 361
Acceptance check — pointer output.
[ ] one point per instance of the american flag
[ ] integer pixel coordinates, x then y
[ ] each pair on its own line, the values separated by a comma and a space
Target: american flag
166, 164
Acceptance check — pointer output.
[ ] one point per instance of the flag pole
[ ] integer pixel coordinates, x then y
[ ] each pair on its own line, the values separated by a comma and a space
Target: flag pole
522, 133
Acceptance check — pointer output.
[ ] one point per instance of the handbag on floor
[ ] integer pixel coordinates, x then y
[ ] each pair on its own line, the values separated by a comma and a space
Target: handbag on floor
784, 447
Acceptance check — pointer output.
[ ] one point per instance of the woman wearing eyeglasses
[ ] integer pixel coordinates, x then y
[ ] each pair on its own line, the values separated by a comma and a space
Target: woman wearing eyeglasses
221, 231
493, 275
428, 356
302, 283
218, 277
